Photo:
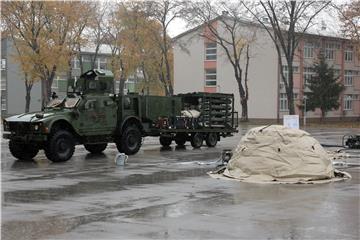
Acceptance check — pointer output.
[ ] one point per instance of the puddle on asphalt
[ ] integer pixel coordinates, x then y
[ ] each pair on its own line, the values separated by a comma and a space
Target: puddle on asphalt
95, 187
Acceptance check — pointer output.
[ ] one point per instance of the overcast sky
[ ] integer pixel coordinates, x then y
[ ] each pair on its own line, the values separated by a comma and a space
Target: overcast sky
329, 18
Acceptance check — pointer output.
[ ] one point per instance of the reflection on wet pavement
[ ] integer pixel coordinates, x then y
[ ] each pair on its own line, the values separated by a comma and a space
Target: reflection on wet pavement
165, 193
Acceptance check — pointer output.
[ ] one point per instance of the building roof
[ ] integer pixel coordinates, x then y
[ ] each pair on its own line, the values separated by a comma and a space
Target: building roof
90, 48
331, 31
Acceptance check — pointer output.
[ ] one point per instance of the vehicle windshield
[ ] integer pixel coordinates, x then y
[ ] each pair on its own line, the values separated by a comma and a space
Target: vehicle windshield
68, 102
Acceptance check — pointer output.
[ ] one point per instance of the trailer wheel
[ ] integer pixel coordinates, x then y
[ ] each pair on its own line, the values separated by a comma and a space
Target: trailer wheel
60, 146
197, 140
180, 139
95, 148
165, 141
130, 141
211, 139
22, 151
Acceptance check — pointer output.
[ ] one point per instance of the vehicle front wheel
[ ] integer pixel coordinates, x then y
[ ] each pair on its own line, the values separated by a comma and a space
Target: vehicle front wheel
130, 140
197, 140
95, 148
211, 139
60, 146
22, 151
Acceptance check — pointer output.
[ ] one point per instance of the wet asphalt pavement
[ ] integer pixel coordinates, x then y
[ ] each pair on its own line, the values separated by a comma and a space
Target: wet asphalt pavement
166, 194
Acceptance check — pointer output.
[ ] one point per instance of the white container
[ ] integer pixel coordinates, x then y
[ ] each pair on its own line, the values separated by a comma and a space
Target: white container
121, 159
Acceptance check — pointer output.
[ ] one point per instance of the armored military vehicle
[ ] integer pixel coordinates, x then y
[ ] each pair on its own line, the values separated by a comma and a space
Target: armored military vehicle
93, 115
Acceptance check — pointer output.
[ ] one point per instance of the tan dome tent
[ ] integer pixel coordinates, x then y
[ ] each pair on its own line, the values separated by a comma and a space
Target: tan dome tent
276, 154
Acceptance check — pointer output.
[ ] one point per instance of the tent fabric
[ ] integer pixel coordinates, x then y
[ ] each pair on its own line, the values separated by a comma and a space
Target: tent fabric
279, 154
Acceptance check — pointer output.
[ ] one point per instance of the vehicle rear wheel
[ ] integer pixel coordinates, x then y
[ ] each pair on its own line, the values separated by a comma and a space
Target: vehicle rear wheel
180, 139
22, 151
197, 140
165, 141
95, 148
60, 146
130, 140
211, 139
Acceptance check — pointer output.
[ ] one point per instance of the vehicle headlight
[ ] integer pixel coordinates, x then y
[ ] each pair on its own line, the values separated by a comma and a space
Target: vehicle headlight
37, 126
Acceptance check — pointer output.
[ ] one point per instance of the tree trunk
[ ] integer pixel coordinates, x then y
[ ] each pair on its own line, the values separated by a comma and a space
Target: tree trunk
80, 61
244, 105
46, 82
289, 90
243, 100
322, 115
28, 87
122, 79
244, 110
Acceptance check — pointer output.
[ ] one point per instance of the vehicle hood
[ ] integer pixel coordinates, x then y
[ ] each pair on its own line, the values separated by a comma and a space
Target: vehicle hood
28, 117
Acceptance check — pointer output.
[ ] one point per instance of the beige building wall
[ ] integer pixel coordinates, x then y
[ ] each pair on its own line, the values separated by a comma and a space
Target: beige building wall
188, 64
262, 78
189, 73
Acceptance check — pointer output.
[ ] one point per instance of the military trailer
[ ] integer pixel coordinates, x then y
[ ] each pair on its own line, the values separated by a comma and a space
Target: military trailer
93, 115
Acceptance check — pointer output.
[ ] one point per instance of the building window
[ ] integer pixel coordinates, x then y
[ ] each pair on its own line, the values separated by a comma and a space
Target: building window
101, 63
348, 102
210, 51
283, 102
86, 61
210, 77
330, 50
286, 74
59, 85
75, 63
3, 83
3, 64
130, 85
308, 74
348, 77
3, 104
348, 54
308, 50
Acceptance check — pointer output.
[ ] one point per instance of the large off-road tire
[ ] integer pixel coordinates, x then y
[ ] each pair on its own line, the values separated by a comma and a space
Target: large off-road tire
197, 140
130, 140
180, 139
211, 139
22, 151
60, 146
95, 148
165, 141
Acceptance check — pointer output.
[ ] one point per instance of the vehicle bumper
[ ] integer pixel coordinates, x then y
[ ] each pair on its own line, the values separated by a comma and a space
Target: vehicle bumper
30, 137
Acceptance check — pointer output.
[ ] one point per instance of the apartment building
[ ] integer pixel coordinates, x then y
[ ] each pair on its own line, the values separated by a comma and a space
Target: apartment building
202, 65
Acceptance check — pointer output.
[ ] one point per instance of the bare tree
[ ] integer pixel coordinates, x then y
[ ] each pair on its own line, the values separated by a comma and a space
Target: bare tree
349, 14
224, 27
165, 11
78, 36
97, 29
286, 22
